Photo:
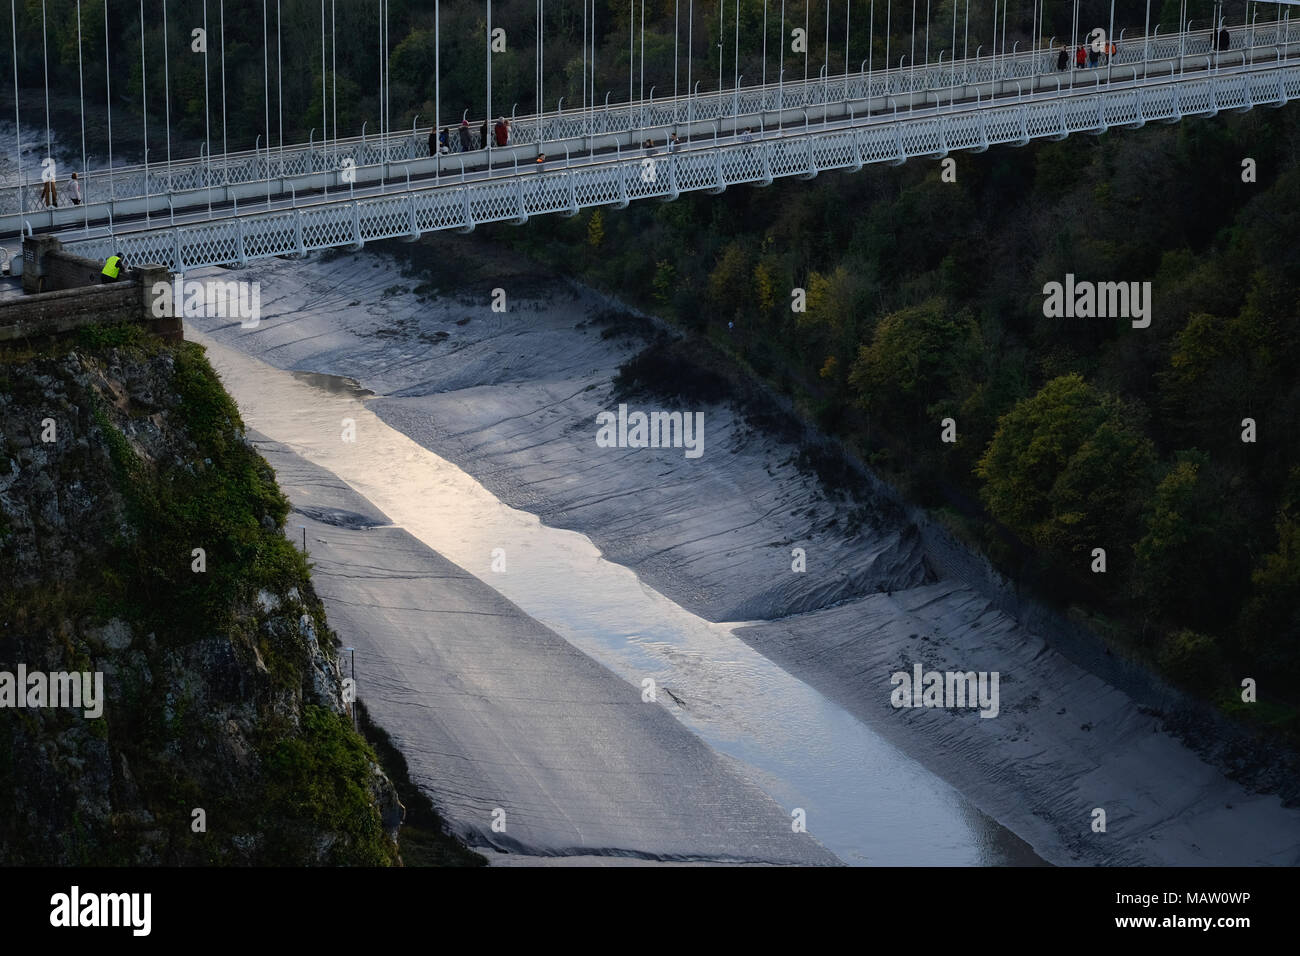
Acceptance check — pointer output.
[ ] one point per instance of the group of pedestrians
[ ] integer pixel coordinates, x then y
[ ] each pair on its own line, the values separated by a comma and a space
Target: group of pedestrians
50, 192
1085, 57
1088, 56
441, 143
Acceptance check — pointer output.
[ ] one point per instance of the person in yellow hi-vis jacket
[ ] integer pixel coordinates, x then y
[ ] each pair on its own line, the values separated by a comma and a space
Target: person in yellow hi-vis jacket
112, 269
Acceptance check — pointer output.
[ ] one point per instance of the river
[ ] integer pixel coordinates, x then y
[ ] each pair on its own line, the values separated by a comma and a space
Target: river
863, 799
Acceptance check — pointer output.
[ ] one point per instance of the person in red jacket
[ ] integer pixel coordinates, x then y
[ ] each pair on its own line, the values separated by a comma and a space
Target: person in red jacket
1081, 57
502, 131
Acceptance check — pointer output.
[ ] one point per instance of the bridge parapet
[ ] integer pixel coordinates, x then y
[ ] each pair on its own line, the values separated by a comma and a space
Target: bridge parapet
65, 293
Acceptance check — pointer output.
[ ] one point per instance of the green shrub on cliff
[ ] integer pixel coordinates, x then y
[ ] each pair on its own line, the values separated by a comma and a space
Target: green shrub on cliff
221, 681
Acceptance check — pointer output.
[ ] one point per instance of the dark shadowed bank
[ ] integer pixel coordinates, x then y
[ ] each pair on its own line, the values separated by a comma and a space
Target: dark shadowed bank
424, 838
141, 538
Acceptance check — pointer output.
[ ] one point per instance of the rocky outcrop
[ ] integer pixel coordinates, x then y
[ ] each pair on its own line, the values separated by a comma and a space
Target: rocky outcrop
141, 540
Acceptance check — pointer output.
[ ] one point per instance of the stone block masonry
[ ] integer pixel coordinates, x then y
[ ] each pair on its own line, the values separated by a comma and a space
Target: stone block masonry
65, 293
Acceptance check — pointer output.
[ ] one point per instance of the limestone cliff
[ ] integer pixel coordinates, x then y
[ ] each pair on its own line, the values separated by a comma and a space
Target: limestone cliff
141, 538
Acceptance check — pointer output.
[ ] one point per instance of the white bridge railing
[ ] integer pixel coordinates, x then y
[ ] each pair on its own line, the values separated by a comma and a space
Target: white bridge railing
602, 181
273, 164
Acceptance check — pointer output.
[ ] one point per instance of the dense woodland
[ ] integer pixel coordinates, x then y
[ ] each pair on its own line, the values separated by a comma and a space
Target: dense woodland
925, 301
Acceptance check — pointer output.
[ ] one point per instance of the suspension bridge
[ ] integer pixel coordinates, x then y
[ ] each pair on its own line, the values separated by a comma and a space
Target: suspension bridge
291, 200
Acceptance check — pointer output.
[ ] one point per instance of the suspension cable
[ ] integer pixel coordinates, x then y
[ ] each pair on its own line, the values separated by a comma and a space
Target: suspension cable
911, 59
1033, 36
1005, 17
225, 152
826, 62
334, 78
45, 58
998, 9
690, 59
324, 99
144, 112
537, 60
207, 109
952, 65
279, 84
266, 100
388, 118
81, 97
541, 55
847, 35
437, 90
1074, 35
167, 99
108, 107
889, 10
18, 128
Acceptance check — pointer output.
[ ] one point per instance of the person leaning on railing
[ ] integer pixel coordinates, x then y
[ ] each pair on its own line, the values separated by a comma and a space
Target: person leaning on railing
112, 270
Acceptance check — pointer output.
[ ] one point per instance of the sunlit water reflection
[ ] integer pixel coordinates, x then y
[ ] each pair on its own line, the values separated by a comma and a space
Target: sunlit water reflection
865, 800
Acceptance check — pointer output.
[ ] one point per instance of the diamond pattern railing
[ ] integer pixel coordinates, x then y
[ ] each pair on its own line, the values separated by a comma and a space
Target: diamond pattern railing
270, 165
340, 222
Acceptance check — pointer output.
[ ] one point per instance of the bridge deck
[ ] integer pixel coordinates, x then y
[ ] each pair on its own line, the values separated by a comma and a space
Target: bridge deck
294, 214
